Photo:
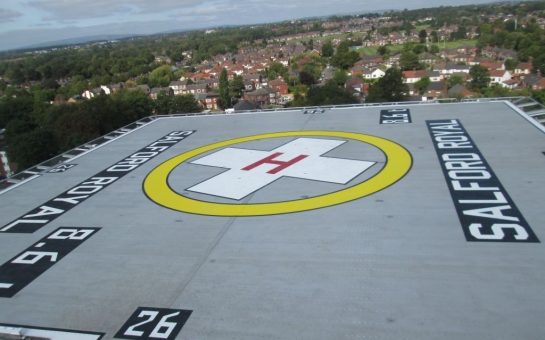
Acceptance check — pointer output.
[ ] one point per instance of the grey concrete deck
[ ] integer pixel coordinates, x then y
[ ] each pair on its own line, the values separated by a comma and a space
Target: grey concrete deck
391, 265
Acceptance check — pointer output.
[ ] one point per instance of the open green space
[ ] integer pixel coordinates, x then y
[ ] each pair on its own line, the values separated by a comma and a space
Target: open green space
399, 47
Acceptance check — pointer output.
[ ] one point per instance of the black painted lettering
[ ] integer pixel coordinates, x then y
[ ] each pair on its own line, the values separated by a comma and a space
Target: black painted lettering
395, 116
68, 199
497, 231
100, 180
495, 213
485, 210
499, 198
454, 145
122, 168
71, 200
28, 265
45, 211
469, 174
473, 186
85, 190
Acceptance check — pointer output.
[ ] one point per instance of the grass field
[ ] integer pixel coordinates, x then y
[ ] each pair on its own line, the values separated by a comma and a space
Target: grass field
398, 48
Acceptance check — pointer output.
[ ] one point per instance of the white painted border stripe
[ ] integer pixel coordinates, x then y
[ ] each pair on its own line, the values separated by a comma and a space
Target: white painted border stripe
76, 157
526, 116
48, 334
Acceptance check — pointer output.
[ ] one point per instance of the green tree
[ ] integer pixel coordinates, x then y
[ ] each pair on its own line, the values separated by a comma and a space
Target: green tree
539, 63
461, 33
236, 87
329, 94
161, 76
480, 78
344, 58
163, 103
225, 98
422, 35
327, 49
340, 77
276, 70
132, 105
73, 126
539, 96
31, 147
389, 88
422, 85
454, 80
383, 51
184, 104
306, 78
409, 61
510, 64
434, 37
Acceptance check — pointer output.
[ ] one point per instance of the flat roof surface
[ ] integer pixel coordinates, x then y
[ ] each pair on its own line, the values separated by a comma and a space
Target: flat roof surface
421, 222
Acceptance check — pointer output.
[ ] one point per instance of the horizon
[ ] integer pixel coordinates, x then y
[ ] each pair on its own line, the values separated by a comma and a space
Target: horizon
42, 23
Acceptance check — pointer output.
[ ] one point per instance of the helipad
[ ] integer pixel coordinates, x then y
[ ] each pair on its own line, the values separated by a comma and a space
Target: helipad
386, 222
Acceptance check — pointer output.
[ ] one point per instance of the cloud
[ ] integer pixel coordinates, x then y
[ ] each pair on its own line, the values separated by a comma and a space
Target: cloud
81, 18
84, 9
8, 15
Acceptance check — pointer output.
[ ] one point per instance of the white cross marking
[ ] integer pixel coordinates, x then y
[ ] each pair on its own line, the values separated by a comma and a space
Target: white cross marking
238, 183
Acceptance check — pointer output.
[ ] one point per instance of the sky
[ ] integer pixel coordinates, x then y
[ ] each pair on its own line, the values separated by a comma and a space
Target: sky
30, 22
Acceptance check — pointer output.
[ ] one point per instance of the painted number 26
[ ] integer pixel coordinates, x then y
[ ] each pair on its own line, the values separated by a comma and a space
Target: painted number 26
161, 331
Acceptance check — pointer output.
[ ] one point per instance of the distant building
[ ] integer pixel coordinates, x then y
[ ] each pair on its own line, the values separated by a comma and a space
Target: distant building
178, 87
279, 86
499, 77
244, 105
414, 76
375, 73
260, 97
154, 93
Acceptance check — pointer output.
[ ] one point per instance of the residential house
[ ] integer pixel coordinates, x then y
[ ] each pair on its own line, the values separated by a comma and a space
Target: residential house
284, 99
212, 101
279, 86
212, 83
208, 101
375, 73
414, 76
260, 97
88, 94
154, 92
435, 90
357, 86
434, 76
196, 89
178, 87
160, 59
427, 58
523, 68
539, 85
498, 53
492, 65
511, 84
499, 77
459, 91
532, 81
449, 68
244, 105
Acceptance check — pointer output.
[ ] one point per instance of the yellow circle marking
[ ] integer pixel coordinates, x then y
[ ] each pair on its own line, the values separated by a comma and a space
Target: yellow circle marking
398, 163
